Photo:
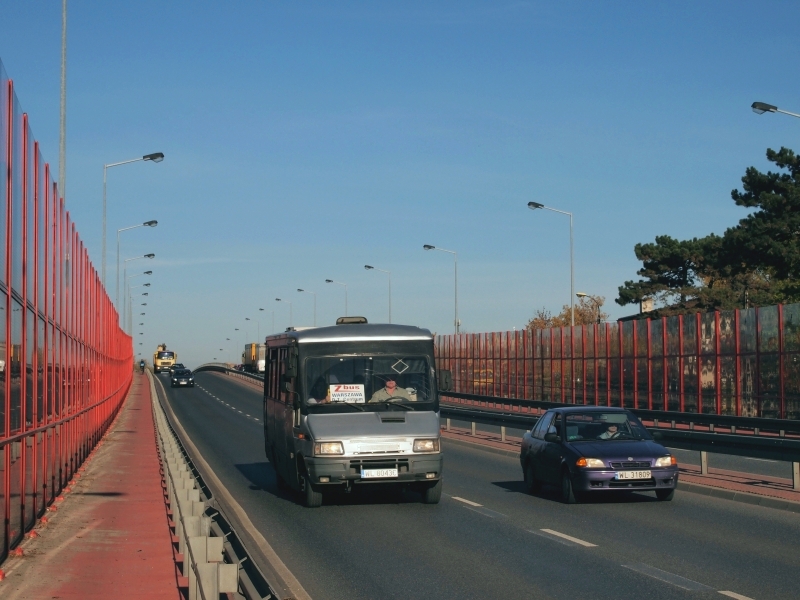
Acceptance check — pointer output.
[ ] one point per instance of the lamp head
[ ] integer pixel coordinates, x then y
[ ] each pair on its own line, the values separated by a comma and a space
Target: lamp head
368, 267
277, 299
144, 303
581, 294
300, 290
429, 247
146, 284
761, 107
149, 255
260, 309
535, 205
329, 281
150, 223
155, 157
147, 273
247, 318
142, 314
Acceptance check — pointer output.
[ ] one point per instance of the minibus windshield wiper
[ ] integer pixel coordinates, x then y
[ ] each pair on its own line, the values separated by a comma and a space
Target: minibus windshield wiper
349, 404
388, 402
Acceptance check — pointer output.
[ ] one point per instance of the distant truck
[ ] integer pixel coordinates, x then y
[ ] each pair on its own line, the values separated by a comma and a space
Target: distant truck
254, 358
163, 359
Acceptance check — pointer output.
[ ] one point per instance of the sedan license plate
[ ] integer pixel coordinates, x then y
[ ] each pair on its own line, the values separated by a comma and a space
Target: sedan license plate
378, 473
634, 475
182, 382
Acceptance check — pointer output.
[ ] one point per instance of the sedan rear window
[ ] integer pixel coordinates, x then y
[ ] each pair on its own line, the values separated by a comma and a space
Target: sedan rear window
600, 426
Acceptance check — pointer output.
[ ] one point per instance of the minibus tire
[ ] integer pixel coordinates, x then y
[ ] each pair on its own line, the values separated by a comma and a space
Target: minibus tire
432, 494
313, 498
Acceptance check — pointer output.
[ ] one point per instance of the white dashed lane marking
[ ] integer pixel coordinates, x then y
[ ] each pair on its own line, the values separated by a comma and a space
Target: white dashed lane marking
735, 595
574, 540
470, 502
228, 405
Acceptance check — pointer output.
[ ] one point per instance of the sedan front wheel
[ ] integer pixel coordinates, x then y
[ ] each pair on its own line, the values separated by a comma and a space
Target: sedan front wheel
567, 493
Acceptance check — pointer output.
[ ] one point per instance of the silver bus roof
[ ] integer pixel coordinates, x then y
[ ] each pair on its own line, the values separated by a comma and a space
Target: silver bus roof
355, 333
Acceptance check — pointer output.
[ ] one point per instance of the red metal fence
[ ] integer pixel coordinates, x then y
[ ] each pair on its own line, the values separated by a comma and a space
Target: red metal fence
742, 363
65, 365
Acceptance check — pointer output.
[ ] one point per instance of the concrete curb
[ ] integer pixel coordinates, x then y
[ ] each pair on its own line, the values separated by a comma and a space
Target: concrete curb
684, 486
743, 497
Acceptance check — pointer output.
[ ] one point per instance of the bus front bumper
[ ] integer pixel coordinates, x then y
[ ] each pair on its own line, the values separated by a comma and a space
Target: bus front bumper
362, 470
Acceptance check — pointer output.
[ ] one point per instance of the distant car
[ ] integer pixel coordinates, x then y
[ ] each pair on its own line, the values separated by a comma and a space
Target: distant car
175, 367
586, 450
182, 378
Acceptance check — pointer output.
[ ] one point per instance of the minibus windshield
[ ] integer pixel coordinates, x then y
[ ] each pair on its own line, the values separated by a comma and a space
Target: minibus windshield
373, 381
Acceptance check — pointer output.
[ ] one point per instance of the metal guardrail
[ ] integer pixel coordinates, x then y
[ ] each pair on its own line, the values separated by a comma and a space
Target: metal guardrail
222, 368
214, 559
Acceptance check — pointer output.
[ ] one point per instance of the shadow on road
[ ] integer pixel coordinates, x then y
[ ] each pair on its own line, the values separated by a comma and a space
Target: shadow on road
553, 494
262, 477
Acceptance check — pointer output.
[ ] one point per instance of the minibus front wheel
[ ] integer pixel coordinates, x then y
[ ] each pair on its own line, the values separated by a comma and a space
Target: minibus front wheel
432, 494
312, 498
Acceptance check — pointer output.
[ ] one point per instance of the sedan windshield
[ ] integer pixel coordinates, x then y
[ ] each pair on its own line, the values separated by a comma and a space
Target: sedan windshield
600, 426
376, 380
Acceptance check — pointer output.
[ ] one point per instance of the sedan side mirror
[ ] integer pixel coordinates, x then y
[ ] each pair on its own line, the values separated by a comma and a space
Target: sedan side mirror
552, 437
657, 435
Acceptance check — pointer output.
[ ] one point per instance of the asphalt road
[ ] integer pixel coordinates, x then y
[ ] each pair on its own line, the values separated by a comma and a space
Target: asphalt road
487, 538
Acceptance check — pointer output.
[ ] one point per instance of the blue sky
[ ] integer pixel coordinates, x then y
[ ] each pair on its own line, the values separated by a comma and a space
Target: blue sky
304, 140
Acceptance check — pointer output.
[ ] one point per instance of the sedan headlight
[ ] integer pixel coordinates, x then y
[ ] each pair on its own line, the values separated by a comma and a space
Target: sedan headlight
322, 448
590, 463
426, 445
666, 461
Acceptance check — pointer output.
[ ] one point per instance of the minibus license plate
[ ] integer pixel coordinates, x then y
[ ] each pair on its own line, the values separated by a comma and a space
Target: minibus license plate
378, 473
634, 475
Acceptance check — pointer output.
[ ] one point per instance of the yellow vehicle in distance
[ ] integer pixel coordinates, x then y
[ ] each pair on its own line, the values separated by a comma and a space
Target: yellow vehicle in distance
163, 359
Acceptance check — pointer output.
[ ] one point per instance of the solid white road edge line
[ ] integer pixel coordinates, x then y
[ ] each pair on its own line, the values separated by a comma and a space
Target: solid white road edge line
570, 538
470, 502
272, 557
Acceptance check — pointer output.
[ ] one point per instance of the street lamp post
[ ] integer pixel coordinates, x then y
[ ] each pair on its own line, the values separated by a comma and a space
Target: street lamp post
290, 309
315, 303
156, 157
125, 270
762, 107
455, 258
594, 301
537, 205
389, 273
345, 292
273, 319
145, 224
259, 327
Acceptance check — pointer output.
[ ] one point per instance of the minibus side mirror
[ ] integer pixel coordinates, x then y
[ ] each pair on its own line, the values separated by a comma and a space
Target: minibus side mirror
445, 380
291, 362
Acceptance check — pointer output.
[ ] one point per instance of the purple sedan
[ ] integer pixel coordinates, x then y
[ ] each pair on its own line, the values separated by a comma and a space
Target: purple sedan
585, 449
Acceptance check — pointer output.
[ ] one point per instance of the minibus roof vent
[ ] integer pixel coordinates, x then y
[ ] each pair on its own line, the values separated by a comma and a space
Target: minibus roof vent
351, 320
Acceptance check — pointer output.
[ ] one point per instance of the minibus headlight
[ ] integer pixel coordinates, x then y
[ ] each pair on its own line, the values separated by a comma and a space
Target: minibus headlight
322, 448
426, 445
666, 461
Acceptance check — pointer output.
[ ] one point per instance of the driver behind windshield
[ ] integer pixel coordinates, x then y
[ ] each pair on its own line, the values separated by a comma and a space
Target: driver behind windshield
610, 433
391, 391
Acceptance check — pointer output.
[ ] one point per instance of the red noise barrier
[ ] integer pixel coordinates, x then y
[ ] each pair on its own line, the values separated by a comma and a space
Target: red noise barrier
65, 364
743, 363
